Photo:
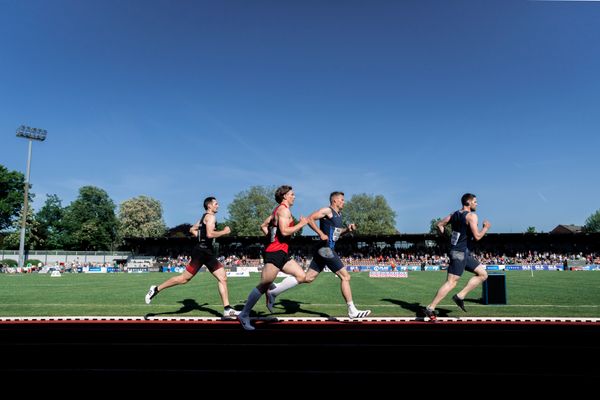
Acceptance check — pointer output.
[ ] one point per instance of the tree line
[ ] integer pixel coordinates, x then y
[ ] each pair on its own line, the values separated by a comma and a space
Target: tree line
93, 221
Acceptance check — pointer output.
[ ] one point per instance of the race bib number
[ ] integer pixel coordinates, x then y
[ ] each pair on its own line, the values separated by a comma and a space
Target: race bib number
337, 232
454, 239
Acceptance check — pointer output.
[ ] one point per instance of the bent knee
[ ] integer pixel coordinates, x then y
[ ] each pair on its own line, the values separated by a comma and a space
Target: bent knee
263, 287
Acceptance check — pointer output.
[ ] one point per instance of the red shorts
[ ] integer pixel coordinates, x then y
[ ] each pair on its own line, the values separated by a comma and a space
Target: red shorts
202, 255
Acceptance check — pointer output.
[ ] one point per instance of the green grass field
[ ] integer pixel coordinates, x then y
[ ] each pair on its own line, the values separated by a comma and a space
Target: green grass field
545, 294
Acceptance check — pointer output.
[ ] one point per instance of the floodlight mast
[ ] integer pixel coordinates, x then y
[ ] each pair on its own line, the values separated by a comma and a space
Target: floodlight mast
31, 134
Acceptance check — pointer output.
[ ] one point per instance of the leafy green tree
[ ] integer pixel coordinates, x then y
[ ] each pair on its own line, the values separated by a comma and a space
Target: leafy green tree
141, 217
530, 229
90, 220
371, 214
11, 239
33, 238
50, 219
433, 225
249, 209
592, 223
12, 191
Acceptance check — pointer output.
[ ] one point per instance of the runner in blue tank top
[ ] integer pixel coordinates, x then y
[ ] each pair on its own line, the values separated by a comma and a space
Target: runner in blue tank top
464, 233
331, 228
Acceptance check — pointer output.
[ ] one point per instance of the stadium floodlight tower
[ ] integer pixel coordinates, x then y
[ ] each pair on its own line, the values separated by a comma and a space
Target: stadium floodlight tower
31, 134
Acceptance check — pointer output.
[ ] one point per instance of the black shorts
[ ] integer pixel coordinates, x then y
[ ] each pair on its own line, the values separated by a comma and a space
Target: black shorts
461, 261
202, 255
331, 260
278, 258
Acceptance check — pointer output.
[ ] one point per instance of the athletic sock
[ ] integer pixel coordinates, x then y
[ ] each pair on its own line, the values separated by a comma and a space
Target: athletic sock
351, 308
251, 302
284, 285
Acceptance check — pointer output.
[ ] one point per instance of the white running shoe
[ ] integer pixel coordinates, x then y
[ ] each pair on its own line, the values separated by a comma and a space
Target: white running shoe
230, 312
270, 301
359, 314
245, 321
153, 291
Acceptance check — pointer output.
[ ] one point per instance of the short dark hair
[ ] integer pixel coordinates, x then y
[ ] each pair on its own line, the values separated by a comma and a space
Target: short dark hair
280, 192
466, 198
333, 194
207, 201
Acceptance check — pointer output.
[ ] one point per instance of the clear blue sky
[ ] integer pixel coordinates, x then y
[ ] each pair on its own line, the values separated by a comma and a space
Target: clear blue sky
419, 101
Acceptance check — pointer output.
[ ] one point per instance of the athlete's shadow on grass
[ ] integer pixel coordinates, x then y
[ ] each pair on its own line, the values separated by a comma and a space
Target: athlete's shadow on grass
418, 309
188, 305
294, 307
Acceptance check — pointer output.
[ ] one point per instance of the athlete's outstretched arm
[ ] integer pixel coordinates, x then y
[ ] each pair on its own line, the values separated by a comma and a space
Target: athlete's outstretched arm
194, 228
264, 227
442, 223
472, 220
325, 211
210, 227
349, 228
284, 219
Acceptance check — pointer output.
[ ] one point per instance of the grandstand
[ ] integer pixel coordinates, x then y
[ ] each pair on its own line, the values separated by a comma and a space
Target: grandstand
403, 249
62, 257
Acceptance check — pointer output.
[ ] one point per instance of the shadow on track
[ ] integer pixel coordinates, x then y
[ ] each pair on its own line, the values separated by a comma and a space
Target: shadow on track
188, 305
417, 308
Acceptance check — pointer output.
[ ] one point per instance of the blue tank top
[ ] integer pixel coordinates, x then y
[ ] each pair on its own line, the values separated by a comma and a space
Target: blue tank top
462, 237
332, 227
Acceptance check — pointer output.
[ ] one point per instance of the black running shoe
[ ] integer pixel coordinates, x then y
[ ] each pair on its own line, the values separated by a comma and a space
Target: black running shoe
459, 302
430, 314
229, 312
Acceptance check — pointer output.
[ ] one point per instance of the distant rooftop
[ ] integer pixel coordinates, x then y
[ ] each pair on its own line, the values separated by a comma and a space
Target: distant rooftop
567, 229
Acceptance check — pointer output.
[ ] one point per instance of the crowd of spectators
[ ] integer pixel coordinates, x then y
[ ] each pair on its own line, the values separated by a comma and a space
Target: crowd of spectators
354, 259
75, 266
411, 259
